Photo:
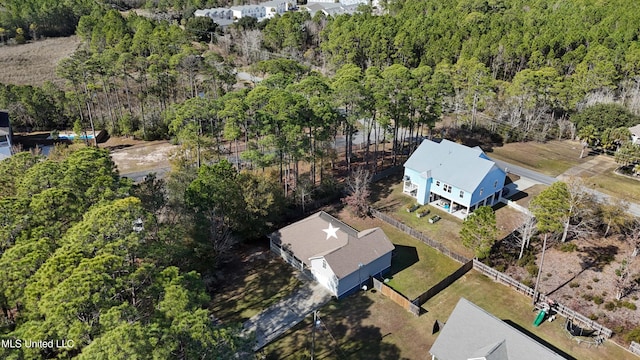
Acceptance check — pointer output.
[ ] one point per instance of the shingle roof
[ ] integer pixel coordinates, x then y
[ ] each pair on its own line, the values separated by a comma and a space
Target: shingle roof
471, 332
451, 163
306, 239
368, 246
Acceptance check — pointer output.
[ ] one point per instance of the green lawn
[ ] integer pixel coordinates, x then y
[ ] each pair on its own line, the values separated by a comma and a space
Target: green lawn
391, 200
415, 267
370, 326
507, 304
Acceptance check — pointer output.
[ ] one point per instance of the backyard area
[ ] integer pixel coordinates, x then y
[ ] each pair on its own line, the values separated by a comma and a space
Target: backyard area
390, 199
252, 284
367, 325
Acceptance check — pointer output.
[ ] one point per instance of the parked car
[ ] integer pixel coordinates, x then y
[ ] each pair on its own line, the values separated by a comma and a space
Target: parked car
434, 219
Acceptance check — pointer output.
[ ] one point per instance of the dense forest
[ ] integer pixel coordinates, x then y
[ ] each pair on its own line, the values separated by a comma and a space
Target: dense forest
117, 268
522, 69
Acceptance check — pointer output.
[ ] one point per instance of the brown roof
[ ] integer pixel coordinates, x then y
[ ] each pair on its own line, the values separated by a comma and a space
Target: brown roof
306, 239
368, 246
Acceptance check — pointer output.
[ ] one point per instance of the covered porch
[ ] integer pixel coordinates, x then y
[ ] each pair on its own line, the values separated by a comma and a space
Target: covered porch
410, 188
459, 210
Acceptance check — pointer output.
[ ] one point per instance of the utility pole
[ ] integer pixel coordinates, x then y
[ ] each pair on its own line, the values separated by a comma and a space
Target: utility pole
313, 333
536, 295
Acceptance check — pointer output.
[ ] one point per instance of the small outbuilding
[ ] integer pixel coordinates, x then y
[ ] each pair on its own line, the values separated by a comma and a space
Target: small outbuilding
339, 257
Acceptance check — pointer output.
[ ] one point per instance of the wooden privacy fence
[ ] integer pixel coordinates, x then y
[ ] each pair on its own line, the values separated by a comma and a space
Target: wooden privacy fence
419, 235
424, 297
560, 308
386, 172
502, 278
396, 297
490, 272
634, 347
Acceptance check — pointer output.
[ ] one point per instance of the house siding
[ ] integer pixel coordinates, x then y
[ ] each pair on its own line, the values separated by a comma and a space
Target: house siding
351, 283
453, 195
487, 186
324, 275
422, 182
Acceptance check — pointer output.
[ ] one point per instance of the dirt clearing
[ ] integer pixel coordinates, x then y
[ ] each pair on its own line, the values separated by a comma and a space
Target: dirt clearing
133, 156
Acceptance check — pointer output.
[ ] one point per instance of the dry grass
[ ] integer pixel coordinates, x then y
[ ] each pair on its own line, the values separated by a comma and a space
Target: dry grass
35, 63
551, 158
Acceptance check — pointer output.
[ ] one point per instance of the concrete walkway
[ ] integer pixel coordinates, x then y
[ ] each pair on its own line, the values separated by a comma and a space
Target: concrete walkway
277, 319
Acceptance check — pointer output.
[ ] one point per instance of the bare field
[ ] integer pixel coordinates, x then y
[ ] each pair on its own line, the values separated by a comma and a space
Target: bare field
133, 156
35, 63
551, 158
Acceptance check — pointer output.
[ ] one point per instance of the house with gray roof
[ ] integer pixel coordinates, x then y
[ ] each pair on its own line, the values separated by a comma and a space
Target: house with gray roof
471, 333
333, 253
452, 175
6, 135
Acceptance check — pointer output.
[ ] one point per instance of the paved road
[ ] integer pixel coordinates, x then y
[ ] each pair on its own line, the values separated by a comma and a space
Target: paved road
634, 208
277, 319
524, 172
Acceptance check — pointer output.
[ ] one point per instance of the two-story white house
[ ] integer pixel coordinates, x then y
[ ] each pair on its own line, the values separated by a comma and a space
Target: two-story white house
453, 176
339, 257
6, 136
256, 11
274, 7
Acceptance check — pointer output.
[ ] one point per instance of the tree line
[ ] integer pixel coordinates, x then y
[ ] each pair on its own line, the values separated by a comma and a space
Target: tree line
120, 268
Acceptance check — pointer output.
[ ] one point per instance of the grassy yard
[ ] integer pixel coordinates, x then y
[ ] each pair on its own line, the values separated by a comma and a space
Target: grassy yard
370, 326
252, 285
615, 185
551, 158
415, 267
390, 199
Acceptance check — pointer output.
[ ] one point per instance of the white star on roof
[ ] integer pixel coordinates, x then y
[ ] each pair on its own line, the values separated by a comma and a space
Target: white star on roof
331, 231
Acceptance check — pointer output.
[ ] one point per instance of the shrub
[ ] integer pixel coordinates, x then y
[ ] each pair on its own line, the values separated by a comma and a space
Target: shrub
618, 329
568, 247
587, 297
528, 258
589, 287
532, 269
549, 274
633, 335
574, 285
595, 279
593, 317
500, 267
527, 282
609, 305
412, 207
629, 305
598, 300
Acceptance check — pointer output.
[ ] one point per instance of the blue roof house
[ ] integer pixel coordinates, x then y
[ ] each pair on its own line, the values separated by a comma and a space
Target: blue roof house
456, 177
